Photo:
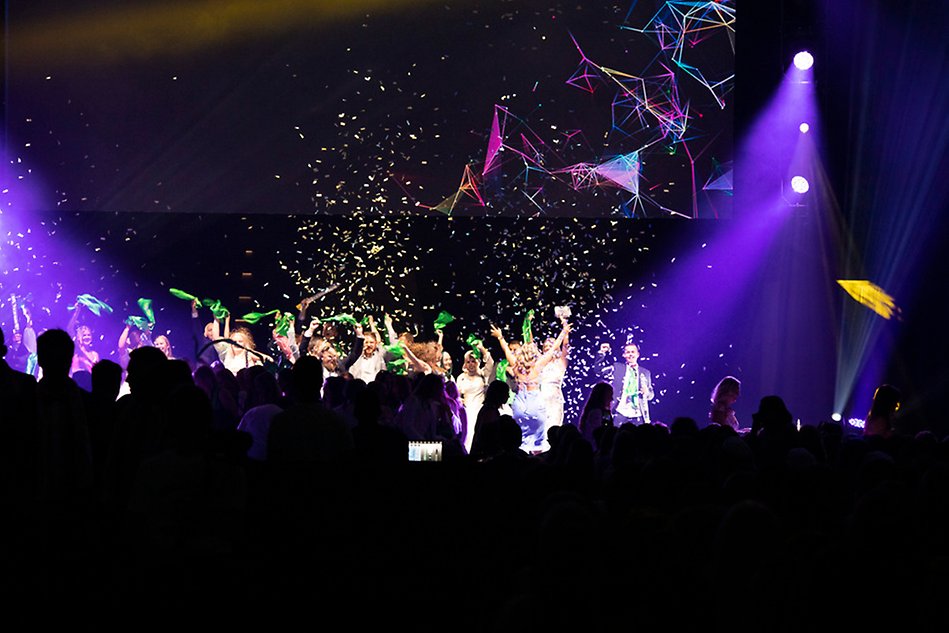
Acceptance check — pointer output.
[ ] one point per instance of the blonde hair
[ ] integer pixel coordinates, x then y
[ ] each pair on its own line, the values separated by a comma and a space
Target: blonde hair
247, 335
168, 342
525, 356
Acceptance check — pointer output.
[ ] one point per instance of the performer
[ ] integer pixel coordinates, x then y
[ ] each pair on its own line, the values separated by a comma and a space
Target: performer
724, 396
880, 419
204, 353
130, 339
328, 355
597, 412
84, 357
22, 353
472, 384
551, 382
162, 343
368, 356
633, 386
421, 357
239, 356
529, 410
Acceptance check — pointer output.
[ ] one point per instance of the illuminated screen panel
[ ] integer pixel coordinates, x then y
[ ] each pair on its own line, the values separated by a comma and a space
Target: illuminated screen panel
455, 108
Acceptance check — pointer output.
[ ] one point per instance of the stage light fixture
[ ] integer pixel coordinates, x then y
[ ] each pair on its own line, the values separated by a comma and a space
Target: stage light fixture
799, 184
836, 417
804, 128
803, 60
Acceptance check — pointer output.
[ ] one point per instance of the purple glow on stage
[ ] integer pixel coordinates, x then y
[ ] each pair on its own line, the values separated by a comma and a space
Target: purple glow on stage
777, 283
774, 149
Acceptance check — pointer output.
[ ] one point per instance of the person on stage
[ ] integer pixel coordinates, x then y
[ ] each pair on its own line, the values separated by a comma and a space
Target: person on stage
880, 419
472, 384
130, 339
632, 385
529, 407
551, 381
241, 355
368, 355
85, 357
597, 412
162, 343
206, 353
723, 399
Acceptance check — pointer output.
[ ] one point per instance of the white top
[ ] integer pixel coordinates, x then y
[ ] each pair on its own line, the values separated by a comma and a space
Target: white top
366, 368
471, 388
236, 363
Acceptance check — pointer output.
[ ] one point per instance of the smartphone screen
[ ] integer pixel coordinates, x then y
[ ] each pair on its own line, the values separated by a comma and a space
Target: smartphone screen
425, 451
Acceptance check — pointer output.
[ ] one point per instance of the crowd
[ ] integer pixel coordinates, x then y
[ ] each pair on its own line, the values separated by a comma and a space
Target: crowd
258, 498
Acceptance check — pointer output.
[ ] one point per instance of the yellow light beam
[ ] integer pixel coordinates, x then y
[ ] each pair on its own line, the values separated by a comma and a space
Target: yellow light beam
176, 28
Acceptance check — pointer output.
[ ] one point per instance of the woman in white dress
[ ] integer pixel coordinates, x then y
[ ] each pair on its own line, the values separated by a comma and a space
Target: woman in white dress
472, 382
551, 383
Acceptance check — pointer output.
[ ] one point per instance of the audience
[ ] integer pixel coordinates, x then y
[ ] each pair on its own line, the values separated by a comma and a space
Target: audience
251, 504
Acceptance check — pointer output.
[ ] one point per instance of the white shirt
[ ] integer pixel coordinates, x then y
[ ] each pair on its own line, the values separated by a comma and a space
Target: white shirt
365, 368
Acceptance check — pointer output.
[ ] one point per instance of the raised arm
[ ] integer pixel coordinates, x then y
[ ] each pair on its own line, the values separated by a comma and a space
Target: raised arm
496, 333
74, 320
565, 345
390, 330
416, 362
373, 328
307, 336
547, 356
489, 365
124, 338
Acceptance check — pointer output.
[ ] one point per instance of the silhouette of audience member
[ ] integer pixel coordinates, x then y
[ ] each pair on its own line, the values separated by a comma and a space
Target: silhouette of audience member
484, 444
262, 407
509, 438
138, 426
426, 415
772, 427
225, 399
83, 378
306, 432
65, 456
376, 444
106, 383
17, 425
684, 427
879, 421
187, 501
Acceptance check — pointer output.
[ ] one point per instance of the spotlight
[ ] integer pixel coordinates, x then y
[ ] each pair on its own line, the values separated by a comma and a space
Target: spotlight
799, 184
803, 60
836, 417
804, 128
